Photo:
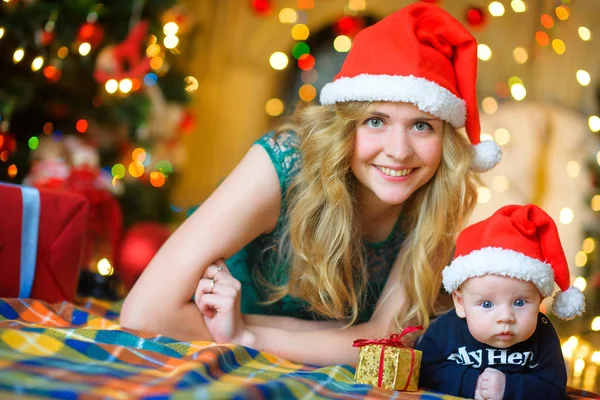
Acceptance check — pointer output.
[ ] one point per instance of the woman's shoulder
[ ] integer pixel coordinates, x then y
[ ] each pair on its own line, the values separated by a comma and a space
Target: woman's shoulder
283, 150
280, 141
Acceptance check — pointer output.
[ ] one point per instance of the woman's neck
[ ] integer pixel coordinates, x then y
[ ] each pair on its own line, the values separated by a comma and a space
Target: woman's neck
378, 218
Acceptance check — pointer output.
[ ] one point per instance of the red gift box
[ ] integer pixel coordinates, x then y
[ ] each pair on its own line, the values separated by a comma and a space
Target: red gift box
42, 242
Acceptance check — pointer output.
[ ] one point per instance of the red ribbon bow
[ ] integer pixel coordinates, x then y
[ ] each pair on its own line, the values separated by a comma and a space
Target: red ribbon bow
395, 340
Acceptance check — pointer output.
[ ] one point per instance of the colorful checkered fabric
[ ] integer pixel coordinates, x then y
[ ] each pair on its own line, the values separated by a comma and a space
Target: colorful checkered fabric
80, 352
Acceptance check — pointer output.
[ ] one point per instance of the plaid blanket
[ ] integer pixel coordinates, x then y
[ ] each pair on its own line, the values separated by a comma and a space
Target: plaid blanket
80, 352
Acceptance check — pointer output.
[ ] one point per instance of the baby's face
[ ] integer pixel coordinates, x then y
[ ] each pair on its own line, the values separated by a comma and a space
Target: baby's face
500, 311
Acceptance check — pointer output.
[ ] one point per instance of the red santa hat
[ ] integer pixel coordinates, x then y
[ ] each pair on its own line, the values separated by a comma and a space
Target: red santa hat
420, 55
519, 242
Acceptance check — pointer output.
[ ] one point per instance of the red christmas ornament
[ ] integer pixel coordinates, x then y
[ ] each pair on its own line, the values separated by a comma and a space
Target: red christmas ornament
140, 244
349, 26
125, 53
262, 7
476, 17
90, 32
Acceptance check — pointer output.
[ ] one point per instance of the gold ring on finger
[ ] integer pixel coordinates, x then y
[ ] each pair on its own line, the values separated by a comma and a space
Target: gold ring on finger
212, 285
217, 272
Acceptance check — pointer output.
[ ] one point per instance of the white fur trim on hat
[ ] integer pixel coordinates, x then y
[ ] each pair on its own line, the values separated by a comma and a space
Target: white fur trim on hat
487, 155
502, 262
568, 304
428, 96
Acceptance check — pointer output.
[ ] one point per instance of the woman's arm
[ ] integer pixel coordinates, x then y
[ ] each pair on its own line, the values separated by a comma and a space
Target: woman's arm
289, 323
333, 346
245, 205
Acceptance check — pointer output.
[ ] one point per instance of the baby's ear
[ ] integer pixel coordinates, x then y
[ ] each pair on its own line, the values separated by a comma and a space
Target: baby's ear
459, 305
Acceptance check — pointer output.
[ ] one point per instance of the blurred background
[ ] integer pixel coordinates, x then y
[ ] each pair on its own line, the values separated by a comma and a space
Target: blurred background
144, 106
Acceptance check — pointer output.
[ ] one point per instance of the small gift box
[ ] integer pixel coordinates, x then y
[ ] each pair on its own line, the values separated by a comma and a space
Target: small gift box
387, 363
42, 238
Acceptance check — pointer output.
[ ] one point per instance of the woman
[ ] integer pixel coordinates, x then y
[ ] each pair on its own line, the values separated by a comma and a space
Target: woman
337, 226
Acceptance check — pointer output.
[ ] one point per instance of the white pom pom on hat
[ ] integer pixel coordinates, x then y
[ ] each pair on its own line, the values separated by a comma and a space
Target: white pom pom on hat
421, 55
519, 242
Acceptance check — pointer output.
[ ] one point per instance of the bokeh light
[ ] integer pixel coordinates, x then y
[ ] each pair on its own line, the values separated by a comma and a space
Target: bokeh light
501, 136
520, 55
81, 126
278, 60
288, 16
589, 245
136, 169
496, 9
274, 107
594, 123
118, 171
171, 41
484, 52
307, 92
111, 86
581, 259
37, 63
542, 38
584, 33
300, 32
484, 195
18, 55
165, 167
518, 6
157, 178
583, 77
85, 48
12, 170
33, 142
342, 44
138, 154
559, 46
489, 105
566, 216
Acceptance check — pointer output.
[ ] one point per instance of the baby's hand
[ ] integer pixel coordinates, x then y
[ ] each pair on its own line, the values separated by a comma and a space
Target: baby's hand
490, 385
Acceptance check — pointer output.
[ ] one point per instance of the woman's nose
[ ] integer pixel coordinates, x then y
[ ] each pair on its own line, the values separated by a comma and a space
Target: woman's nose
398, 145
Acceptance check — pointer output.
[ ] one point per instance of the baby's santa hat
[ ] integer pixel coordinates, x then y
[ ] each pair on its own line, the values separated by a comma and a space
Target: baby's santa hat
519, 242
421, 55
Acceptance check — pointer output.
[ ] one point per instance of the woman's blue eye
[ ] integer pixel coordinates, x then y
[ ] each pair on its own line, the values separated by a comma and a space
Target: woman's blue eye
374, 122
487, 304
422, 126
519, 303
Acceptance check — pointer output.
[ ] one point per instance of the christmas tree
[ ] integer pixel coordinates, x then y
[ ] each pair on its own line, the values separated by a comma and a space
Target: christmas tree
93, 99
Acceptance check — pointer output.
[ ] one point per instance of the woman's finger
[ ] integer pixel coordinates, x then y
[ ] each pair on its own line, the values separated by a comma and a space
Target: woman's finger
208, 286
215, 302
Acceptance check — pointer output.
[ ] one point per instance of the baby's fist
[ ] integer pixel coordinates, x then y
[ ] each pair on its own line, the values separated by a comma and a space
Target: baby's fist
491, 384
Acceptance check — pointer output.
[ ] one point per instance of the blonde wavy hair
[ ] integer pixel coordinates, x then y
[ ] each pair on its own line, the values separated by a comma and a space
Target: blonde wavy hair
323, 240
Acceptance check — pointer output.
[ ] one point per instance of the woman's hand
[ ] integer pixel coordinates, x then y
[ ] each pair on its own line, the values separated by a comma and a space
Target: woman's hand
218, 297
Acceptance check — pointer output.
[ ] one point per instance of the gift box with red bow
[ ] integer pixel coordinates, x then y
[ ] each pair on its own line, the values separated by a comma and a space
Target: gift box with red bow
387, 363
42, 239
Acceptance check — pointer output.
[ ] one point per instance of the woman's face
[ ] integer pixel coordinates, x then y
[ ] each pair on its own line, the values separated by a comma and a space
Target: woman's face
397, 150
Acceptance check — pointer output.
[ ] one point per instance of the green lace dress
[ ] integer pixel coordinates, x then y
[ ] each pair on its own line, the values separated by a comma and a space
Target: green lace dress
261, 257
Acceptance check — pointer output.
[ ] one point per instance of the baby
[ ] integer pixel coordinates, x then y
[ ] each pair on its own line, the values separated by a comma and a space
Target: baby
496, 344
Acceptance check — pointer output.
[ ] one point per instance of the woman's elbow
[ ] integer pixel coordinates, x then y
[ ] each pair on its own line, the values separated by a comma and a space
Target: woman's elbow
132, 316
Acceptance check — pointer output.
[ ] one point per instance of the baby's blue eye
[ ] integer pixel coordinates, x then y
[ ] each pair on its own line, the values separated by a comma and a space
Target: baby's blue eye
374, 122
519, 303
487, 304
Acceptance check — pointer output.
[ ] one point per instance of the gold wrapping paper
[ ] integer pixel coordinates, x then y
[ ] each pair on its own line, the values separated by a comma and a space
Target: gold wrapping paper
396, 367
